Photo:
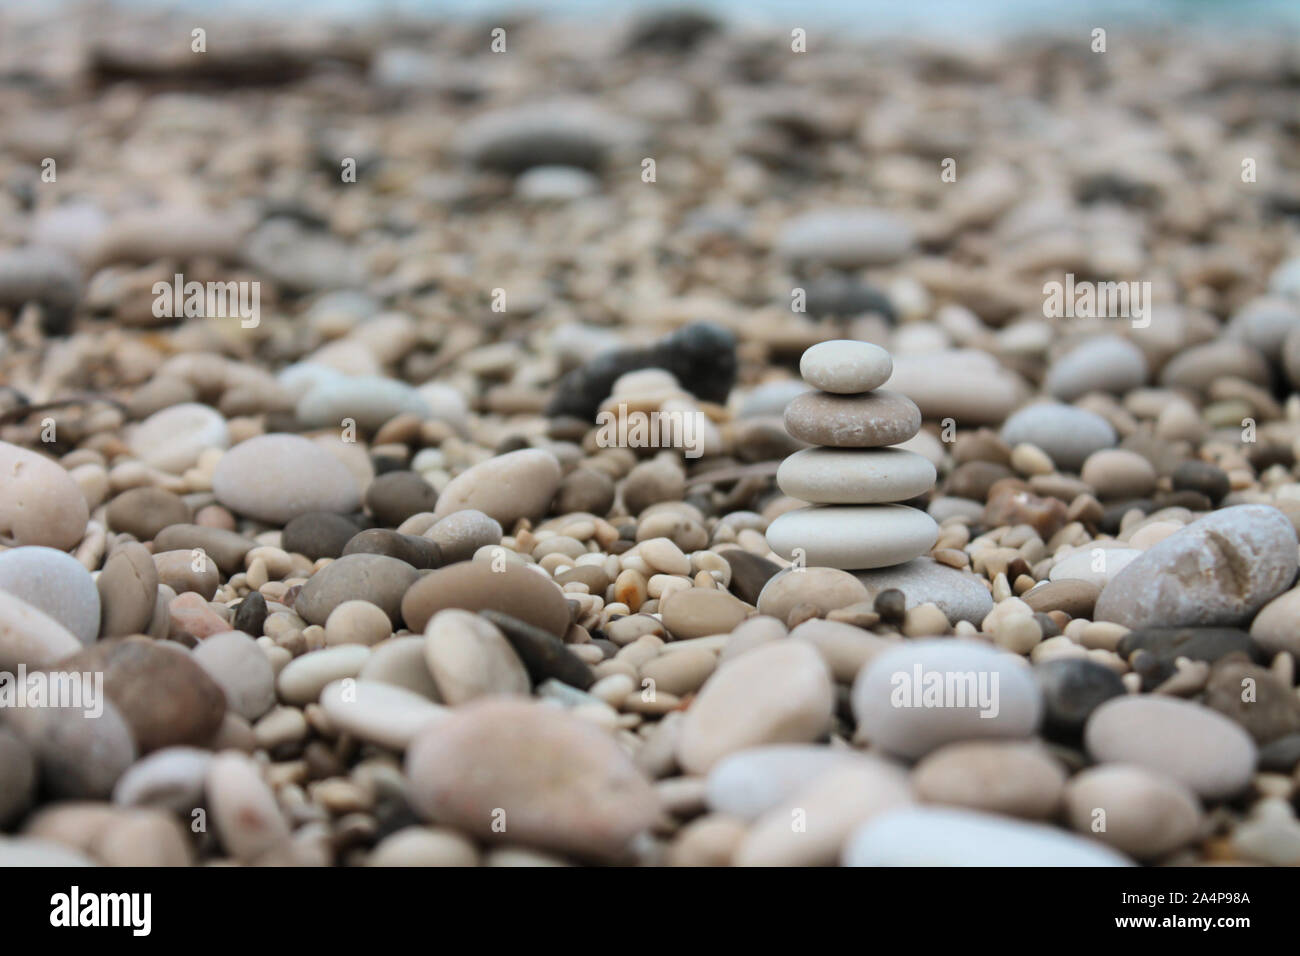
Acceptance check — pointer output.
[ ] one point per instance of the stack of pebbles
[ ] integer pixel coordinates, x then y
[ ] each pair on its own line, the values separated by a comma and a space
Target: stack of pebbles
853, 478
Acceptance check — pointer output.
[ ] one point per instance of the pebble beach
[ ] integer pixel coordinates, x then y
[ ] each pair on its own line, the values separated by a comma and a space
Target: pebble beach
660, 441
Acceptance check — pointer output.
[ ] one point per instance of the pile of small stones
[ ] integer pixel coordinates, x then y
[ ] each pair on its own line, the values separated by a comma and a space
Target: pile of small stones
366, 585
852, 476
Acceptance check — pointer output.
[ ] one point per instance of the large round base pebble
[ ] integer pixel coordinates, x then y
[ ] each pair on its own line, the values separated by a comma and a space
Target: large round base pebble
850, 476
853, 537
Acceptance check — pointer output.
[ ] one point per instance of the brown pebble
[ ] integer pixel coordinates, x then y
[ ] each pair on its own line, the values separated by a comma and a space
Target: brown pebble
1075, 598
749, 573
143, 512
128, 591
800, 613
585, 491
953, 557
974, 479
483, 585
395, 496
165, 696
981, 445
214, 516
652, 482
891, 605
1045, 515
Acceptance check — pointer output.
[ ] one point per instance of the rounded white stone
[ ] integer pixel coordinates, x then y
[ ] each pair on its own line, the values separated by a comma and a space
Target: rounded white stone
171, 778
1095, 565
933, 836
303, 678
55, 583
845, 366
853, 537
855, 476
382, 714
922, 694
31, 637
1197, 746
172, 439
277, 477
750, 782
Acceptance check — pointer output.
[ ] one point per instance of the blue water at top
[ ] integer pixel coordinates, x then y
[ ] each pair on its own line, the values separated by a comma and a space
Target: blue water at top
917, 17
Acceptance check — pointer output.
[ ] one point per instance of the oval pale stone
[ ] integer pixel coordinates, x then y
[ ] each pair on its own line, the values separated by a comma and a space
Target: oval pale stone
845, 366
931, 836
750, 782
555, 781
31, 637
519, 484
172, 439
1147, 814
846, 238
778, 693
1192, 744
275, 478
851, 476
55, 583
921, 695
853, 537
968, 385
40, 503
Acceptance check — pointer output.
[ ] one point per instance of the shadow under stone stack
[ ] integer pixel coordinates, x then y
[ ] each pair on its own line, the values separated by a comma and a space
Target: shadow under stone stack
852, 480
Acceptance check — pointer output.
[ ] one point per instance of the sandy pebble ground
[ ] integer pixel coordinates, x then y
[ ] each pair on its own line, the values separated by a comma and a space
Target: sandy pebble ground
316, 348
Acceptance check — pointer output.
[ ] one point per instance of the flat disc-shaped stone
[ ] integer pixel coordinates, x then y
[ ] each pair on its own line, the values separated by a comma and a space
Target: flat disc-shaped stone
853, 537
852, 476
870, 420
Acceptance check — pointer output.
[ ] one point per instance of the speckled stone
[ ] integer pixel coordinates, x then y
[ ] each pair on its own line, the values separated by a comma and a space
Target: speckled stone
959, 594
55, 583
871, 420
1218, 570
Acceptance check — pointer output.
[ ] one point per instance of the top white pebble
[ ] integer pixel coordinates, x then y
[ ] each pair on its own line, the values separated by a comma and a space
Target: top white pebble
846, 367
